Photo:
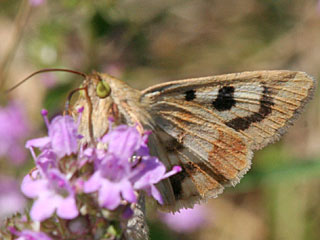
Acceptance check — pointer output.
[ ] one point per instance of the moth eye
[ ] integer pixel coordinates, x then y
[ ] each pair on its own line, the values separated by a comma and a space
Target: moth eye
103, 89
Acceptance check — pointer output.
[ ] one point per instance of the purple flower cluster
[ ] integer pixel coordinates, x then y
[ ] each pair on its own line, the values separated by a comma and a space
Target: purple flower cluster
117, 173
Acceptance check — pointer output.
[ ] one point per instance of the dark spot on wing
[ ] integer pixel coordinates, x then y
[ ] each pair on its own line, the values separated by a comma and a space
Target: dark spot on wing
243, 123
190, 95
176, 180
225, 100
214, 173
188, 170
176, 183
173, 145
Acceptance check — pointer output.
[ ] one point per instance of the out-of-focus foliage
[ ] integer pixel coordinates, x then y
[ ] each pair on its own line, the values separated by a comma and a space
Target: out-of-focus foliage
146, 42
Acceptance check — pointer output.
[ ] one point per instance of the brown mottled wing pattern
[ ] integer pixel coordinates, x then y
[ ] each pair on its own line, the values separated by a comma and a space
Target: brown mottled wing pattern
210, 126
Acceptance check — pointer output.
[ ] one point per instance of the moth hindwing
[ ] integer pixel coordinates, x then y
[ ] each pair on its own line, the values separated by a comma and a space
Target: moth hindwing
209, 126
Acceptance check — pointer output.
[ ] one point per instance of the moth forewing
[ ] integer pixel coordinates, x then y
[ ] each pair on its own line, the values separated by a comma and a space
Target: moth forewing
209, 126
221, 119
259, 105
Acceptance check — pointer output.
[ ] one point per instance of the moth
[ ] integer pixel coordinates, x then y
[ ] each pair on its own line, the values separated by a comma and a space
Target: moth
210, 126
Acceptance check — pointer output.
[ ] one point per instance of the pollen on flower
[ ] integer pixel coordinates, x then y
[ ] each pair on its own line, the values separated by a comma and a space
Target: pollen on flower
177, 168
80, 109
44, 112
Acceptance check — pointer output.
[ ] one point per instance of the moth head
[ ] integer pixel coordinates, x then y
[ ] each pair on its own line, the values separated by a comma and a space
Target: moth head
93, 95
95, 87
104, 85
98, 85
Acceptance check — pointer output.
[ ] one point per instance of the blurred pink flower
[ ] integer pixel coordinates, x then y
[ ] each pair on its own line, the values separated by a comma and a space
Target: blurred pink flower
11, 199
49, 80
36, 2
114, 69
14, 128
187, 220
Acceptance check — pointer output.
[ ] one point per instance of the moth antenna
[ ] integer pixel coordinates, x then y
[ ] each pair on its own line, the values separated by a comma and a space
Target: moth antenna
43, 71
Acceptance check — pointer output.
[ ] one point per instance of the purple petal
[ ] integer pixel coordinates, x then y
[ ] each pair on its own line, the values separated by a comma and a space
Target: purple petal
93, 184
85, 155
127, 191
89, 152
144, 149
38, 142
109, 195
123, 141
44, 207
114, 169
46, 160
67, 208
33, 187
63, 135
59, 183
156, 194
151, 172
30, 235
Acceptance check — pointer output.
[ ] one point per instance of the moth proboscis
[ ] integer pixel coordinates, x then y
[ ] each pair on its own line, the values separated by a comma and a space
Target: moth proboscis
209, 126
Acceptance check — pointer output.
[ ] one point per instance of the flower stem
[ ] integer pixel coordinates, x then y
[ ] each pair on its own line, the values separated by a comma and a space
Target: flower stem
21, 21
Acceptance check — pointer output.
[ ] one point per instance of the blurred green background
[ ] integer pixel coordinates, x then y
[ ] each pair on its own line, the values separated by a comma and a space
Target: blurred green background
145, 42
